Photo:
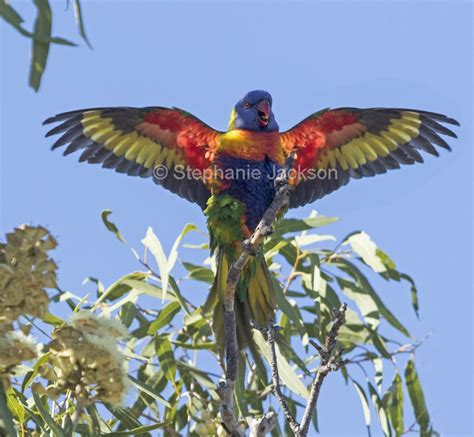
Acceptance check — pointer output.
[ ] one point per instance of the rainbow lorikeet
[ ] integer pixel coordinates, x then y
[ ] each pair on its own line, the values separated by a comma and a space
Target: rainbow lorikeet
230, 175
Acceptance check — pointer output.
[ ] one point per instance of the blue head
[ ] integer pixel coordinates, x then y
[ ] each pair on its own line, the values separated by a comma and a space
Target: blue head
254, 112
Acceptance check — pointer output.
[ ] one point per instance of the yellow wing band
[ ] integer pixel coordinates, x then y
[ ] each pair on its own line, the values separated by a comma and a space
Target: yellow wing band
133, 146
370, 146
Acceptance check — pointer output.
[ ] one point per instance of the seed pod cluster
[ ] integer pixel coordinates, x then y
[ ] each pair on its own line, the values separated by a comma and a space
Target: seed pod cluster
85, 359
15, 347
25, 271
89, 323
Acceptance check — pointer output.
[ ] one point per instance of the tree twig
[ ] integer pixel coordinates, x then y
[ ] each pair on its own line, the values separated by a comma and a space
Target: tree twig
330, 361
403, 349
292, 422
250, 246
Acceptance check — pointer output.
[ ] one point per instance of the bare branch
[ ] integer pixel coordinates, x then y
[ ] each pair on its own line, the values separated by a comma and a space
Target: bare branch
330, 361
292, 422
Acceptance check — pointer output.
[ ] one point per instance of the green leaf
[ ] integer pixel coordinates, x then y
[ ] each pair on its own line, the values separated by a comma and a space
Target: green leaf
199, 273
200, 376
30, 376
364, 300
287, 374
285, 306
416, 396
14, 405
307, 240
414, 293
208, 345
40, 50
365, 404
94, 423
362, 244
165, 355
127, 313
14, 19
177, 292
165, 316
51, 319
120, 287
9, 14
297, 225
382, 414
145, 388
148, 289
378, 365
395, 407
386, 260
379, 344
132, 297
288, 351
6, 419
363, 282
152, 243
173, 255
111, 226
126, 417
239, 388
136, 431
55, 428
80, 22
37, 419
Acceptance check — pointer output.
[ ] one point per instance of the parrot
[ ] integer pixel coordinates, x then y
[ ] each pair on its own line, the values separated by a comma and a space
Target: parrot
230, 174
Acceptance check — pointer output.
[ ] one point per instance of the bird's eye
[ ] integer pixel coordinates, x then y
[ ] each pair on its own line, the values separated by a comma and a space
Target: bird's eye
247, 105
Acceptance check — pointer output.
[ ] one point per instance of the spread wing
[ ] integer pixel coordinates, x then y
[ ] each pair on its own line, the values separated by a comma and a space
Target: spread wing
148, 142
335, 146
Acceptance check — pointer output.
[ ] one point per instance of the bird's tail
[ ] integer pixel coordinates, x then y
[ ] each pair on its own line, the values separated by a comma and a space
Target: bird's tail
254, 301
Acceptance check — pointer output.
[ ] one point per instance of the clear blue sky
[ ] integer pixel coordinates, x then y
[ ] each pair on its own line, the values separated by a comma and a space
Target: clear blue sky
203, 57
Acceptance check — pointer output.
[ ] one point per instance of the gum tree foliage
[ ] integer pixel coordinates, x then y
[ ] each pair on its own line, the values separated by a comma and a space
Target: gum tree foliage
41, 34
169, 359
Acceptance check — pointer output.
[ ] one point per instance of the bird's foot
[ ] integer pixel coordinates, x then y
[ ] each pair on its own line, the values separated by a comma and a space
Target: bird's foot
281, 180
249, 247
266, 230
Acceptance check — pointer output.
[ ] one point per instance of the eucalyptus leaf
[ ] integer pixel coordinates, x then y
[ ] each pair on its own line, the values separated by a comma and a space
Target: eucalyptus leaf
55, 428
287, 374
363, 245
285, 226
111, 226
417, 397
165, 355
363, 282
140, 385
153, 244
144, 429
173, 255
395, 407
164, 317
6, 419
365, 404
80, 21
381, 412
40, 50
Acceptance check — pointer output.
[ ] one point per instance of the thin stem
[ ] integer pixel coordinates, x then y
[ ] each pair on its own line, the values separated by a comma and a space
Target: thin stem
292, 422
330, 361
